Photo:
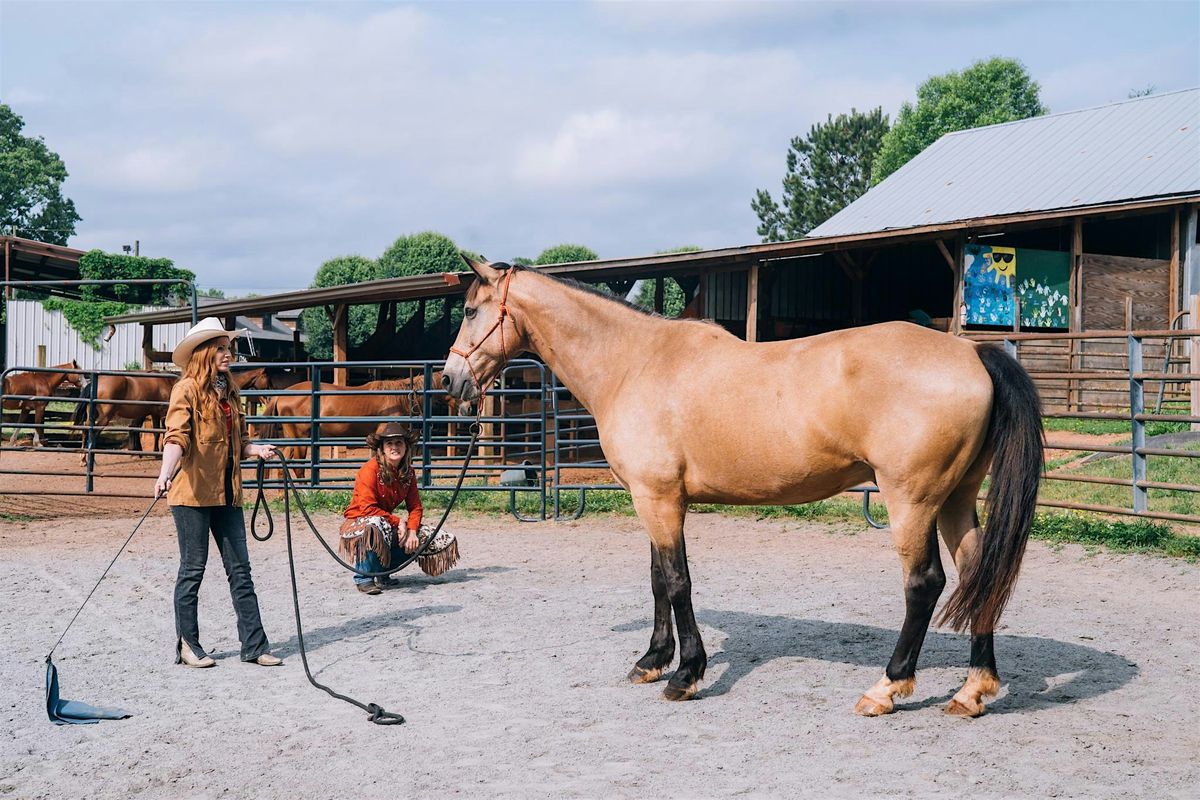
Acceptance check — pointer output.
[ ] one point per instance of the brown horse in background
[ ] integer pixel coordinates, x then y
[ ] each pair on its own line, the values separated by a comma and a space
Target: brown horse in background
395, 400
134, 398
920, 412
263, 379
39, 384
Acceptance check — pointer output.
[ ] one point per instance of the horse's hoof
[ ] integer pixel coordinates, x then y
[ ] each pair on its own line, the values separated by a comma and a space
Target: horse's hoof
639, 675
678, 693
958, 708
870, 707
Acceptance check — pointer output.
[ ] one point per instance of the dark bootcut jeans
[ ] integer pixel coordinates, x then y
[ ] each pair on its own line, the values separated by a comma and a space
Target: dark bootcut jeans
228, 526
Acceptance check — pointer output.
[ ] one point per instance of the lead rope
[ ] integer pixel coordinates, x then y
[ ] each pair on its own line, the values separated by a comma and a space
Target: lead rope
377, 713
120, 550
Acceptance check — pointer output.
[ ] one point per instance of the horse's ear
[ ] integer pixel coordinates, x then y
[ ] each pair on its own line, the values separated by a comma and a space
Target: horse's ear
482, 269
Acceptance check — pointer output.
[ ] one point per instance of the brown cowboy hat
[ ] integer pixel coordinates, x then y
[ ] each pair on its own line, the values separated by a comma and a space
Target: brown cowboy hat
392, 430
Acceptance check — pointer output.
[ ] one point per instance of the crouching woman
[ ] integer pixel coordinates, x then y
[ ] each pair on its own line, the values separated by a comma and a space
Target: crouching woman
372, 537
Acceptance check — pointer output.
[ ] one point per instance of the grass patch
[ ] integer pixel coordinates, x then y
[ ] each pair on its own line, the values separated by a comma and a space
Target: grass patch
1103, 427
7, 517
1137, 536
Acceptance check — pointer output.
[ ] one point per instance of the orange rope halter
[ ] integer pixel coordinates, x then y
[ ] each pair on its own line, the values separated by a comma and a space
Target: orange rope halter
499, 323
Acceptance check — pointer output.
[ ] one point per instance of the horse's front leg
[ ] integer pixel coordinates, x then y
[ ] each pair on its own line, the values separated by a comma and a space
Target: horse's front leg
663, 519
651, 666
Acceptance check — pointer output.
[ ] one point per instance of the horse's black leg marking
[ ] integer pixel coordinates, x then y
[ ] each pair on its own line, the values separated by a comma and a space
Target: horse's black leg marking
692, 658
922, 587
662, 642
982, 655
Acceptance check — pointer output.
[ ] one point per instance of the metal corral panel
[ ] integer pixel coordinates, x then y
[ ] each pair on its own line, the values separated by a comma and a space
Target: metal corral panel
1148, 147
36, 335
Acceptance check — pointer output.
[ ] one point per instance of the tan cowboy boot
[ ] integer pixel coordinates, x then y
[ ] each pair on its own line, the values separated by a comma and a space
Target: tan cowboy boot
187, 657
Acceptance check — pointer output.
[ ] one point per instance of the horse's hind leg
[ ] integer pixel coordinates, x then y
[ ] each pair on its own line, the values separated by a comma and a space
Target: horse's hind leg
961, 531
651, 666
916, 542
663, 520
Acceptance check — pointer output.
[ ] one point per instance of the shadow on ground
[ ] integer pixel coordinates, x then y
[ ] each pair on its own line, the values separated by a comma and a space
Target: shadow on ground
1038, 672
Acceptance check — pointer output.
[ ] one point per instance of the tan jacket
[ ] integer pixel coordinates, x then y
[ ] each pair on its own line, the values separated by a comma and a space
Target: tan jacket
206, 448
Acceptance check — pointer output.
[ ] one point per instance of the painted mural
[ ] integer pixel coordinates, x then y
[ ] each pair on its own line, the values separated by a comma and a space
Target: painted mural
996, 277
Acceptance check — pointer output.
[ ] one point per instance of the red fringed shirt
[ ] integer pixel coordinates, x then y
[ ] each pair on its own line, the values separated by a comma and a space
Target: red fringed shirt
372, 497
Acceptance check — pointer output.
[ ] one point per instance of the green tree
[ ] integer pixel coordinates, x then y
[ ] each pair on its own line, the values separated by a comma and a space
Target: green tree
565, 253
674, 299
424, 253
31, 177
826, 171
986, 93
317, 326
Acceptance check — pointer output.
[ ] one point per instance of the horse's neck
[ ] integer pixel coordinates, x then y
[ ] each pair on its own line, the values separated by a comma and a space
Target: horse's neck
587, 341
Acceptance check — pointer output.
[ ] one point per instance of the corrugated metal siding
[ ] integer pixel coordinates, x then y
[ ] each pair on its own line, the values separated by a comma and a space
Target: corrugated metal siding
1142, 148
31, 326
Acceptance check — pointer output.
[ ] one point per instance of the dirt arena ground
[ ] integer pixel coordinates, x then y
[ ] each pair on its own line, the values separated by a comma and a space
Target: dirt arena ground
510, 670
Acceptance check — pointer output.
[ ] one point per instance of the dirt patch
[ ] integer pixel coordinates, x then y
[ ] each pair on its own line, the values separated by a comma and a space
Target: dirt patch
511, 667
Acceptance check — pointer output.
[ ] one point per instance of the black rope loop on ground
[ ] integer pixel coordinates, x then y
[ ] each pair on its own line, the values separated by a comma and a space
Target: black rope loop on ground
376, 713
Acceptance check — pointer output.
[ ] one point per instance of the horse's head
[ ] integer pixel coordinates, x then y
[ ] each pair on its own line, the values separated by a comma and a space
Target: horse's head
489, 336
75, 379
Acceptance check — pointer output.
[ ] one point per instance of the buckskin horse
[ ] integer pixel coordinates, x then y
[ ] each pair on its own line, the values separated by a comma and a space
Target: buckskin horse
920, 412
133, 397
39, 385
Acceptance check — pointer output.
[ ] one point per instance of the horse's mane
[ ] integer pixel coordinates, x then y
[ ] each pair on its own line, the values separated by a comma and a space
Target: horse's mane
621, 301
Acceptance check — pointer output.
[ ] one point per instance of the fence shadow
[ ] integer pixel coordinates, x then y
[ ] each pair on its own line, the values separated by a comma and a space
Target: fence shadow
1030, 666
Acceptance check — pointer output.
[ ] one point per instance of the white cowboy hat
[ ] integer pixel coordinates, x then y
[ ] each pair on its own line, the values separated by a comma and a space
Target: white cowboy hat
198, 334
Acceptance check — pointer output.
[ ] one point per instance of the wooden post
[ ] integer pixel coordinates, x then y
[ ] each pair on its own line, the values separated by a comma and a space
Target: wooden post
147, 345
1128, 312
1074, 324
1194, 364
659, 294
341, 375
956, 310
340, 346
752, 304
1173, 303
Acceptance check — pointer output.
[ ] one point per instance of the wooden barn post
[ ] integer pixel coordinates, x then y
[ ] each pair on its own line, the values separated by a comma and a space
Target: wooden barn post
341, 322
148, 345
1074, 321
752, 304
1194, 365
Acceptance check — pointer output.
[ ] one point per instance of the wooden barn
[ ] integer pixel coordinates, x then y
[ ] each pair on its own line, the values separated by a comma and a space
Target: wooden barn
1077, 221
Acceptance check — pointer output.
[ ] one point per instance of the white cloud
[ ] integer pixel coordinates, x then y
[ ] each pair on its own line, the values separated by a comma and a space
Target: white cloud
609, 147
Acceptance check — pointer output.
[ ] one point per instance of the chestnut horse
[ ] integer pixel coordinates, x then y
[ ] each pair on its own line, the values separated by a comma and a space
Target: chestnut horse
920, 412
395, 399
36, 384
133, 398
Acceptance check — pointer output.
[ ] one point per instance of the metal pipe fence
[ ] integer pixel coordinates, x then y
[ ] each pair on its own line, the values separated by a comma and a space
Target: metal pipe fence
537, 439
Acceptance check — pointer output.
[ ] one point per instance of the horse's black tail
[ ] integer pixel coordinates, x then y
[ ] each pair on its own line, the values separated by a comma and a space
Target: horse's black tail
1015, 439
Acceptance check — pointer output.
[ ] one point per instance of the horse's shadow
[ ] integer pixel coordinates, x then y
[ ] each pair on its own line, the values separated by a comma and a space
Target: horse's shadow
1038, 672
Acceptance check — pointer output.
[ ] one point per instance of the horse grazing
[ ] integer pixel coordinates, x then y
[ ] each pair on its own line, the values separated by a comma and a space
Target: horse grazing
133, 397
920, 412
36, 384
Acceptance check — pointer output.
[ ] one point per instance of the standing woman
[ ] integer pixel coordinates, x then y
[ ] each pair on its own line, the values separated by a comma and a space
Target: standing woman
206, 434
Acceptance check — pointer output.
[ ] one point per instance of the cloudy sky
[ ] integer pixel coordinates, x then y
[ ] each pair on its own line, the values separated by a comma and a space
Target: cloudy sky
250, 142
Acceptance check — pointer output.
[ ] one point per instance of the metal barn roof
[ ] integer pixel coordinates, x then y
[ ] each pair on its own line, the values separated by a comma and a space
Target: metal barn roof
1147, 147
